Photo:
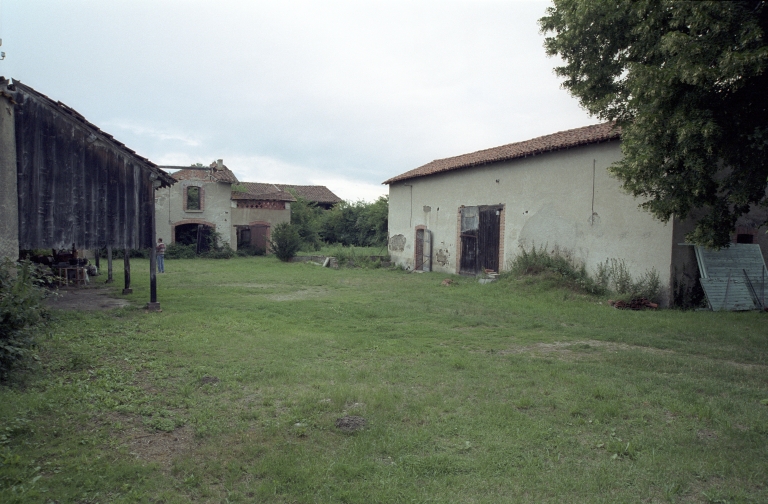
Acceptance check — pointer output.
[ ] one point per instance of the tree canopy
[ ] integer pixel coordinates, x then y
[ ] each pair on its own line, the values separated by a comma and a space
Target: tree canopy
687, 82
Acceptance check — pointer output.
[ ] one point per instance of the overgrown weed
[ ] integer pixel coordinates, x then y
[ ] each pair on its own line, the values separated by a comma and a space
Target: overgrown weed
610, 277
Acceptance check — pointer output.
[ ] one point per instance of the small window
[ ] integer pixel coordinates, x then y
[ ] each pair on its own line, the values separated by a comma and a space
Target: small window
193, 198
745, 238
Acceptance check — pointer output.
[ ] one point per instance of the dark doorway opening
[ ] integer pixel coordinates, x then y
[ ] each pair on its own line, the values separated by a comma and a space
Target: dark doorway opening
423, 252
199, 235
255, 236
480, 238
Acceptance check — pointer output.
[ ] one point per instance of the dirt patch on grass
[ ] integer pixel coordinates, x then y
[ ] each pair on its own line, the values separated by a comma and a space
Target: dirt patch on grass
577, 350
249, 285
161, 447
85, 299
301, 294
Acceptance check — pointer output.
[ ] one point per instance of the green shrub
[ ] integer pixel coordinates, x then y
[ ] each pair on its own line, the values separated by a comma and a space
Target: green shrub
221, 252
21, 310
285, 241
250, 250
179, 251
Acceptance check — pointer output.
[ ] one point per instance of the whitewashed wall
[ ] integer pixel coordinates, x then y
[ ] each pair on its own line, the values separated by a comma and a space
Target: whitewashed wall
548, 200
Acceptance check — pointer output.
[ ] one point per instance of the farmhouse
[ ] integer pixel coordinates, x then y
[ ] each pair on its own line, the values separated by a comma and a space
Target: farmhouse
474, 212
211, 199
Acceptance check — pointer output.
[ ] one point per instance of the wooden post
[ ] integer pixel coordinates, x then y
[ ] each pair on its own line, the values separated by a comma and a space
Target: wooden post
98, 256
109, 264
153, 305
199, 239
127, 270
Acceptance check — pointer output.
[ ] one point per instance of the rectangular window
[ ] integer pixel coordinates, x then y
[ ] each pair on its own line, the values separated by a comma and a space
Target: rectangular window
193, 198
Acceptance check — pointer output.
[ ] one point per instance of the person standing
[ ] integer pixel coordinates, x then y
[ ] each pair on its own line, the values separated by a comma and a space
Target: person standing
160, 253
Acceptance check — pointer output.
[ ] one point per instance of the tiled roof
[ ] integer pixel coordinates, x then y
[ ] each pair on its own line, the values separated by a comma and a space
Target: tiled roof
262, 192
556, 141
10, 87
213, 173
314, 193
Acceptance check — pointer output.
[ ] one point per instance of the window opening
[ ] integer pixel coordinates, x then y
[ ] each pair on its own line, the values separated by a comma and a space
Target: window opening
193, 198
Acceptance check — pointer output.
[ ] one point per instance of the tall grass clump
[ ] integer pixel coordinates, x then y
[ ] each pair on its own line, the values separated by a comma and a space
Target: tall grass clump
612, 276
558, 263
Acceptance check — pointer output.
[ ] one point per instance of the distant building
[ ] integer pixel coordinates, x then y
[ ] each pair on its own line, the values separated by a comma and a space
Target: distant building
242, 213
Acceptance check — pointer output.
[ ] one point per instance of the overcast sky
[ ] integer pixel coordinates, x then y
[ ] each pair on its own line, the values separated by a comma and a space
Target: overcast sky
341, 93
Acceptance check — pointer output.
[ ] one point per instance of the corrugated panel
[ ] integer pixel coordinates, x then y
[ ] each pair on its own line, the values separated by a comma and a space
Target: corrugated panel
733, 278
728, 294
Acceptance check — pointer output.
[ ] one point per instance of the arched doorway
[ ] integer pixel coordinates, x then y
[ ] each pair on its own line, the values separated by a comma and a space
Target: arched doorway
199, 235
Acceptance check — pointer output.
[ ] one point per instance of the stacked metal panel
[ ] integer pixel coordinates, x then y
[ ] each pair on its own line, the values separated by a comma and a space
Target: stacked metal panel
733, 278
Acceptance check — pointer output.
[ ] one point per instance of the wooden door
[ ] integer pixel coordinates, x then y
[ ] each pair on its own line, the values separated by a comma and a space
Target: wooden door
488, 237
423, 250
259, 236
480, 238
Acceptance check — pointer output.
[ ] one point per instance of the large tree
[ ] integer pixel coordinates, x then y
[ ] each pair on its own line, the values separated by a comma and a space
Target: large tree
687, 81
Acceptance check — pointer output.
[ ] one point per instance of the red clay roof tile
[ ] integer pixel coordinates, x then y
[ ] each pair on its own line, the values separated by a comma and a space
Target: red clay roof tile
556, 141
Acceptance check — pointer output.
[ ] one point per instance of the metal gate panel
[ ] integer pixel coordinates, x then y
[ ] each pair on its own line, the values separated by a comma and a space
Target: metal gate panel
733, 278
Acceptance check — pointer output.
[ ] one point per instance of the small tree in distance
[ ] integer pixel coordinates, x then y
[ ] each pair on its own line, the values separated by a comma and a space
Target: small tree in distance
285, 241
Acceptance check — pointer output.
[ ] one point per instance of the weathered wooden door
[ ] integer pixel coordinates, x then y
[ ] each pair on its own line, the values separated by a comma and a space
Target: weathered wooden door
488, 238
480, 238
259, 236
423, 252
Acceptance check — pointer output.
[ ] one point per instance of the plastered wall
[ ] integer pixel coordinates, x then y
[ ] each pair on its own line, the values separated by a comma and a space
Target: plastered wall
246, 216
216, 209
564, 198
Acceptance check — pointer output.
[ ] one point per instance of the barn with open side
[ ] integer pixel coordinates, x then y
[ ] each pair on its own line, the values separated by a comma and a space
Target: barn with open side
66, 184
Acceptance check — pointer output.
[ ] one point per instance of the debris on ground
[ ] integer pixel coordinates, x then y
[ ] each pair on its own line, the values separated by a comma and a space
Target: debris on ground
633, 304
350, 423
205, 380
488, 276
447, 282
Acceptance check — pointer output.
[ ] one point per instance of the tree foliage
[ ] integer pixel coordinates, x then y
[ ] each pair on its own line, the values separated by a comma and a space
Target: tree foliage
307, 217
362, 224
688, 84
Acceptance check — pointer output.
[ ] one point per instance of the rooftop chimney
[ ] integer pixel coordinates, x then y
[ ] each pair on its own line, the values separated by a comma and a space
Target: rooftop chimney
219, 164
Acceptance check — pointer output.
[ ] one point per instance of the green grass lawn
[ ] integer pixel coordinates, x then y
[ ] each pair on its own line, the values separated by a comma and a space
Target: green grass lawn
508, 392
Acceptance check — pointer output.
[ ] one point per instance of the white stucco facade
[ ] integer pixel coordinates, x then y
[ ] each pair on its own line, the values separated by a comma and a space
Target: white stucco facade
564, 199
218, 209
170, 210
